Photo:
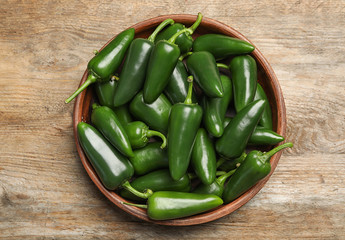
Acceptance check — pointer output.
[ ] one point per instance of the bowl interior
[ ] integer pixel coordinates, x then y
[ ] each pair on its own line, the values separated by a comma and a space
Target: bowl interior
266, 78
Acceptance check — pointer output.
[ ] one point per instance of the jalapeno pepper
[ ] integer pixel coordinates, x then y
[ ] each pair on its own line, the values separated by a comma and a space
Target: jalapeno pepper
133, 73
149, 158
159, 180
112, 168
139, 134
236, 135
107, 123
155, 115
261, 135
216, 187
164, 205
184, 122
203, 157
102, 66
183, 41
221, 46
255, 167
244, 79
266, 118
162, 62
203, 67
215, 109
105, 92
177, 88
123, 114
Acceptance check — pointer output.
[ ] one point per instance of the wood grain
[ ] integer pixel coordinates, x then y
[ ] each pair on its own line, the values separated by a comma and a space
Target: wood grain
44, 190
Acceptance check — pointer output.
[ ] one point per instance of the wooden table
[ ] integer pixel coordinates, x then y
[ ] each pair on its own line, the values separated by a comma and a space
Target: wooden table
45, 192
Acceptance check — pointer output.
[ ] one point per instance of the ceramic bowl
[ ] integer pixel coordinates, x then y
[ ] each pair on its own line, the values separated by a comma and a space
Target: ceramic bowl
266, 78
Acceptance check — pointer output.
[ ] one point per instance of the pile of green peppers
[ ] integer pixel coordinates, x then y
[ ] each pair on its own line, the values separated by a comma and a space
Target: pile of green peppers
178, 129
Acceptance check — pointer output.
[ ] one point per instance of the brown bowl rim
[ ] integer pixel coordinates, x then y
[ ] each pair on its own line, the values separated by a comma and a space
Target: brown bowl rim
224, 209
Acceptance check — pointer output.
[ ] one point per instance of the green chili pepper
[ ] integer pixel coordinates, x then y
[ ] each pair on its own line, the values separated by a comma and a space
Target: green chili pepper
183, 41
266, 118
203, 67
105, 120
215, 109
184, 122
228, 165
149, 158
133, 73
105, 92
236, 134
177, 88
161, 65
166, 205
123, 114
203, 157
255, 167
221, 46
261, 135
102, 66
159, 180
244, 79
139, 134
112, 168
216, 187
155, 115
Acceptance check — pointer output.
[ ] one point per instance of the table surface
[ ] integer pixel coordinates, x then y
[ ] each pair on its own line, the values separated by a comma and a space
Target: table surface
44, 189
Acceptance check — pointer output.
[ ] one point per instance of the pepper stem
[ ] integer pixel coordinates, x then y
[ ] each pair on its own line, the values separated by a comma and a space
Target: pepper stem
90, 79
220, 162
163, 24
188, 99
221, 180
135, 205
269, 154
196, 23
152, 133
185, 55
95, 105
222, 65
174, 37
144, 195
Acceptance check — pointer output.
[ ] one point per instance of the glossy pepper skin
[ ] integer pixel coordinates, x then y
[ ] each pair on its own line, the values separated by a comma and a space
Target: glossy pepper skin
139, 134
155, 115
106, 121
177, 89
164, 205
215, 109
261, 135
149, 158
203, 157
221, 46
244, 79
266, 118
111, 166
184, 122
133, 73
159, 180
236, 134
255, 167
102, 66
183, 41
216, 187
203, 67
